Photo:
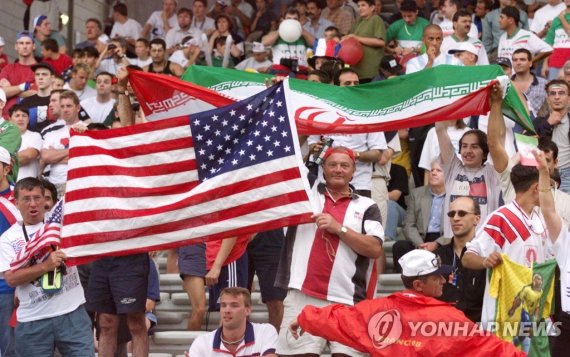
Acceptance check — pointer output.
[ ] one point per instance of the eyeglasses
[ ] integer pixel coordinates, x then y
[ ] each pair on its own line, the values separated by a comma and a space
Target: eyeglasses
460, 213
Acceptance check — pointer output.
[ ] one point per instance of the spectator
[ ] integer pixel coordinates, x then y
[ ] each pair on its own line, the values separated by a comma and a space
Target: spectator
301, 7
124, 26
557, 38
282, 49
424, 216
449, 8
310, 265
90, 57
242, 11
60, 62
482, 8
398, 189
29, 153
514, 37
37, 104
3, 58
15, 78
342, 18
100, 106
264, 21
142, 50
322, 51
160, 22
461, 25
201, 22
492, 30
93, 29
543, 17
44, 321
407, 31
370, 32
42, 31
317, 23
175, 35
466, 287
160, 63
236, 334
225, 28
258, 61
113, 57
78, 82
192, 267
188, 54
433, 57
528, 83
319, 76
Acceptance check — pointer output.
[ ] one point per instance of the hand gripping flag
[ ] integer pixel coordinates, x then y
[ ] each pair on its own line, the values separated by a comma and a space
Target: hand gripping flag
217, 174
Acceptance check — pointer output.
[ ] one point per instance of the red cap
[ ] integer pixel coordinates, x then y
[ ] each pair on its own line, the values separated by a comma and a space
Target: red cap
340, 150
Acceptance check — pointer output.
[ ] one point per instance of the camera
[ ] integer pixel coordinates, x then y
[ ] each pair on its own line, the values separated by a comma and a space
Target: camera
135, 106
290, 63
317, 158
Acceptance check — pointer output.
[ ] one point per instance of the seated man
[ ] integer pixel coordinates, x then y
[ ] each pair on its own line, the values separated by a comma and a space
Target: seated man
364, 326
236, 336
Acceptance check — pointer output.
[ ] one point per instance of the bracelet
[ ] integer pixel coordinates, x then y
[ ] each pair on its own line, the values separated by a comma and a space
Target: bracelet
544, 189
357, 155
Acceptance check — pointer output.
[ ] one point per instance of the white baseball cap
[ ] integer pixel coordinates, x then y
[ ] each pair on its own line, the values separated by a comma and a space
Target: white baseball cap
258, 47
464, 46
5, 156
420, 262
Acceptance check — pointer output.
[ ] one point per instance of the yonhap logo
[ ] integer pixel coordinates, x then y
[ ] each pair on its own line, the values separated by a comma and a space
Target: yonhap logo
385, 328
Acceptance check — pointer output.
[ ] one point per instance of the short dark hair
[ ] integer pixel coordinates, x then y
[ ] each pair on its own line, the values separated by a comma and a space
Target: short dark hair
237, 291
51, 188
96, 21
158, 41
324, 77
50, 44
18, 108
143, 40
185, 10
104, 73
481, 140
28, 184
68, 94
369, 2
320, 4
121, 9
77, 52
91, 52
228, 19
458, 4
291, 11
512, 12
121, 41
460, 13
522, 177
340, 73
204, 2
409, 5
547, 145
523, 50
220, 41
557, 82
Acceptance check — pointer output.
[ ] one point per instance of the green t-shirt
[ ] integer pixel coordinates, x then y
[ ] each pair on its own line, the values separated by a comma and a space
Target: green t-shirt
11, 139
408, 36
372, 27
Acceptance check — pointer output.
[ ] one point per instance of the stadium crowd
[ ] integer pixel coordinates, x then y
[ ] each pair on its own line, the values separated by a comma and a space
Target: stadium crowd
448, 188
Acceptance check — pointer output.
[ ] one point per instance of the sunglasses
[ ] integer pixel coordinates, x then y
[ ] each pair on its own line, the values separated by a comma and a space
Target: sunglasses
460, 213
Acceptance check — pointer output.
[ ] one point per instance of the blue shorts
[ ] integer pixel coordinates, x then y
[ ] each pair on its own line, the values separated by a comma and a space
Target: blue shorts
118, 285
232, 275
264, 252
192, 260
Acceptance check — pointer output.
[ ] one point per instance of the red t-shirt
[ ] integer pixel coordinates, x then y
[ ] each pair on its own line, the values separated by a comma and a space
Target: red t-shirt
213, 247
5, 62
16, 74
59, 65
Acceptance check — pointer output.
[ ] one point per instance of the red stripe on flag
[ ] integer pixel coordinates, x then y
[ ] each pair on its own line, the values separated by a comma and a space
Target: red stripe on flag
291, 220
145, 171
137, 150
209, 218
151, 127
122, 192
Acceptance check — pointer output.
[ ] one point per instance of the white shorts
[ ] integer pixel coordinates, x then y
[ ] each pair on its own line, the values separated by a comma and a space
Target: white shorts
307, 343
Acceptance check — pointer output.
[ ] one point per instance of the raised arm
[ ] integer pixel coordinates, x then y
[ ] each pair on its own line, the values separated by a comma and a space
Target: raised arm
551, 218
497, 130
445, 146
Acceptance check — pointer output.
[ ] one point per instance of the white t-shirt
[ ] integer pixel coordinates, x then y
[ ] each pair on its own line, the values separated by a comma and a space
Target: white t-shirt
447, 28
207, 24
510, 135
35, 304
252, 63
545, 14
431, 151
34, 140
157, 29
562, 249
362, 179
131, 28
259, 340
450, 41
96, 110
86, 92
139, 62
57, 139
522, 39
179, 58
418, 63
175, 36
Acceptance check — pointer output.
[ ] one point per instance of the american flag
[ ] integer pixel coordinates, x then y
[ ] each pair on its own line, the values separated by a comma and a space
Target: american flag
217, 174
40, 244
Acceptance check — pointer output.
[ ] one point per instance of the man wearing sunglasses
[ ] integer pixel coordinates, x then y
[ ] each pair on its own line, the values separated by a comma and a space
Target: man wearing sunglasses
465, 287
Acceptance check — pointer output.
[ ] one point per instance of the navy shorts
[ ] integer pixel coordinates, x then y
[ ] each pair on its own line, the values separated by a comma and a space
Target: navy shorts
192, 260
118, 285
264, 252
232, 275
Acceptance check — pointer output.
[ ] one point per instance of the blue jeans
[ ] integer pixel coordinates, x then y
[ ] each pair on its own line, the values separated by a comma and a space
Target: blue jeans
395, 219
71, 333
6, 332
565, 180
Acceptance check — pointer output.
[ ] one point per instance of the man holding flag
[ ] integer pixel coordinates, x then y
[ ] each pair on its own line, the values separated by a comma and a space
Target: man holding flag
48, 316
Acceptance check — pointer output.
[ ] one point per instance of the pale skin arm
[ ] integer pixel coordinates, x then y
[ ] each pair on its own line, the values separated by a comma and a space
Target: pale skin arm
362, 244
564, 23
25, 275
27, 155
145, 31
539, 57
270, 38
497, 131
477, 262
55, 156
176, 69
367, 41
445, 146
225, 250
551, 218
126, 114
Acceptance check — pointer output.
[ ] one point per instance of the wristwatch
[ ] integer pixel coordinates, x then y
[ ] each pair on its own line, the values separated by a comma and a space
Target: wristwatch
343, 231
357, 155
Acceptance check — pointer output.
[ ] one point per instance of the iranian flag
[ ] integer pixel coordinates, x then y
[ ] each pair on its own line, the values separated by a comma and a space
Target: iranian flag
425, 97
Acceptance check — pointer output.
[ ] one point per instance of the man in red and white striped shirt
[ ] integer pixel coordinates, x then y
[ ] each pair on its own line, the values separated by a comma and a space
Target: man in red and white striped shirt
332, 259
